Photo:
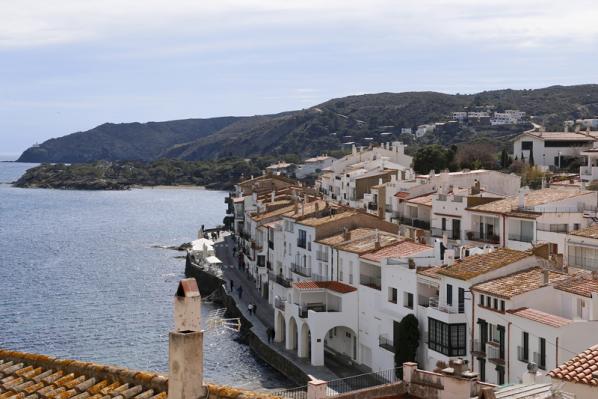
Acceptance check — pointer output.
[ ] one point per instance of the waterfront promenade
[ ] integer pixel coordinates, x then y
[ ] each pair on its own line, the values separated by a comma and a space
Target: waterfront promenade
264, 317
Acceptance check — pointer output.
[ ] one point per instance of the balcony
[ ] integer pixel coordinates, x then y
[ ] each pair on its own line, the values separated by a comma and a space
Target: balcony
316, 307
386, 343
322, 256
434, 303
280, 303
540, 360
482, 237
478, 348
374, 282
417, 223
586, 262
279, 279
494, 354
303, 271
450, 234
522, 354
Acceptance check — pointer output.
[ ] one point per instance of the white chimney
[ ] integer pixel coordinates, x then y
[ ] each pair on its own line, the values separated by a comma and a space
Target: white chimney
522, 192
449, 257
185, 346
272, 195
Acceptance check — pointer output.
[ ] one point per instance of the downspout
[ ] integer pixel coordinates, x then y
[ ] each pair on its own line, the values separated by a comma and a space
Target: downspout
509, 352
504, 231
557, 351
472, 328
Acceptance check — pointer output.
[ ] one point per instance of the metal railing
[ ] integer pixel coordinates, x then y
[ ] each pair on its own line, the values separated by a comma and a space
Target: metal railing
386, 343
434, 302
280, 303
479, 347
473, 235
316, 307
521, 237
322, 256
279, 279
553, 227
420, 224
303, 271
292, 393
450, 234
371, 281
494, 353
589, 262
522, 354
362, 381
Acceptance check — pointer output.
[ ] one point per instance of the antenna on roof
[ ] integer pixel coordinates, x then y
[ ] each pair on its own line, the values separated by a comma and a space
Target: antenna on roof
218, 324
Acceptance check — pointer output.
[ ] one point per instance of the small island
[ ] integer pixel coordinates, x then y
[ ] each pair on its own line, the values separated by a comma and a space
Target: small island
123, 175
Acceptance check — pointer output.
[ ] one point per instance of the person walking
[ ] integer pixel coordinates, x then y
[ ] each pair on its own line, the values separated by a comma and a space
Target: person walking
254, 308
270, 333
240, 292
250, 308
232, 285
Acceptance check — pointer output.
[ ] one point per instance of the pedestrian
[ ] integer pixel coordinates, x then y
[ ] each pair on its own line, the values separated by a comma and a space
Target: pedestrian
254, 308
249, 308
232, 285
270, 333
240, 292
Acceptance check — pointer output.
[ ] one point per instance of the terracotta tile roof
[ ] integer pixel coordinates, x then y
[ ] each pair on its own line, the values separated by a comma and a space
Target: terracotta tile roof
308, 209
532, 198
588, 232
519, 282
429, 271
336, 286
33, 376
580, 285
362, 240
476, 265
238, 199
398, 250
541, 317
579, 369
402, 194
425, 200
277, 212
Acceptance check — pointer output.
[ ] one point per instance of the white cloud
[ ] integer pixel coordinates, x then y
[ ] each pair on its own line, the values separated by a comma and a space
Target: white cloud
523, 23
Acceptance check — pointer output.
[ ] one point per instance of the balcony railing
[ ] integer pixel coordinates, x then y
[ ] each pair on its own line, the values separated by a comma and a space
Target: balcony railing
589, 262
280, 303
279, 279
522, 354
423, 301
478, 348
473, 235
434, 302
420, 224
316, 307
303, 271
521, 237
371, 281
540, 360
450, 234
386, 343
322, 256
493, 353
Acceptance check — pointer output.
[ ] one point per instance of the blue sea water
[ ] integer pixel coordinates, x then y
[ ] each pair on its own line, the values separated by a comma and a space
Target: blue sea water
79, 277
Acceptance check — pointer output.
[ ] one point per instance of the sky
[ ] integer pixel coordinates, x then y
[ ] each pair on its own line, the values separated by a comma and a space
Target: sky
70, 65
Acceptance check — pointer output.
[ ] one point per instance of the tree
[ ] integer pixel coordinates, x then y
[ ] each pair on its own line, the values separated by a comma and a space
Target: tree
430, 157
505, 160
407, 342
475, 156
531, 158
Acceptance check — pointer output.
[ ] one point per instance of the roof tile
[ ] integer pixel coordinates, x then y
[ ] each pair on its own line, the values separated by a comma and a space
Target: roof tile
581, 373
476, 265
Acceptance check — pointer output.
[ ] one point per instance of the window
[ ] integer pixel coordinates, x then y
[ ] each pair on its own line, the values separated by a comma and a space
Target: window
443, 224
302, 239
449, 294
461, 299
408, 300
500, 375
542, 355
495, 302
527, 145
482, 362
448, 339
488, 300
481, 300
392, 295
524, 347
502, 306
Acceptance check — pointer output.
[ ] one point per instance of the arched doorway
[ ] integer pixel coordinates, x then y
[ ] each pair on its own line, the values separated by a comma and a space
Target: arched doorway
279, 328
305, 343
292, 335
340, 346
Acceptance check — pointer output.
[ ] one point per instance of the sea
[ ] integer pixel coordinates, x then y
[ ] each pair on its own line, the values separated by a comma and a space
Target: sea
81, 277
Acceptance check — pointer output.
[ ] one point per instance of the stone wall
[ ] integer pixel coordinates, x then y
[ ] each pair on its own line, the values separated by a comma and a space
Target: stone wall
396, 388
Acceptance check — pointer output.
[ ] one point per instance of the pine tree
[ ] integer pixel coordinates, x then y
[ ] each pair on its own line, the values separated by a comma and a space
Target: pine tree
504, 159
531, 158
407, 342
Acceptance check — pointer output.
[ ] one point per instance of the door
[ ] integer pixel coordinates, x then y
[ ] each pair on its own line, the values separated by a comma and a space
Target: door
456, 229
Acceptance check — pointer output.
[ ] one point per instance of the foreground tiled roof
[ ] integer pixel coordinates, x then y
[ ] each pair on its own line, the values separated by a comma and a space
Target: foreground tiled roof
33, 376
399, 250
580, 368
318, 221
336, 286
532, 198
541, 317
425, 200
519, 282
429, 271
588, 232
476, 265
580, 285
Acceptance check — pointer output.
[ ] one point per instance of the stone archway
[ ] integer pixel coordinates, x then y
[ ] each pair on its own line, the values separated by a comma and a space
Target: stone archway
341, 343
279, 328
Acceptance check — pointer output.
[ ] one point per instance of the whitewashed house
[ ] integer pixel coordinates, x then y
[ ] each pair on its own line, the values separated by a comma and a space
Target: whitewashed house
581, 248
552, 149
313, 166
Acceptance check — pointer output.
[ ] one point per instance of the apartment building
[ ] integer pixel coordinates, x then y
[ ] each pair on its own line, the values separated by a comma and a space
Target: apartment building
581, 248
536, 216
552, 149
313, 166
536, 315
